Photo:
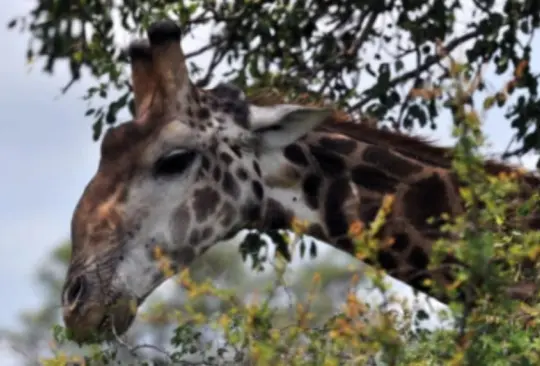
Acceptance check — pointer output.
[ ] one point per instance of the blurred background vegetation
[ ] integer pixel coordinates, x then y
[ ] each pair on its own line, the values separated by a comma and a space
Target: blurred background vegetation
223, 265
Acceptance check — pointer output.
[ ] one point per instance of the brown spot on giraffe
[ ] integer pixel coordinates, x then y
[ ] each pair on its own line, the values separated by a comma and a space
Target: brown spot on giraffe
194, 237
295, 155
276, 215
229, 185
317, 231
257, 168
334, 217
428, 191
205, 163
216, 173
242, 174
368, 208
311, 187
338, 144
227, 213
226, 158
206, 233
390, 162
373, 179
205, 202
329, 162
251, 214
345, 244
183, 255
257, 189
236, 150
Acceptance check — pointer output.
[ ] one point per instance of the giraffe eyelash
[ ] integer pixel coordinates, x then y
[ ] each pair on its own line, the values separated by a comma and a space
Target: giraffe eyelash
174, 163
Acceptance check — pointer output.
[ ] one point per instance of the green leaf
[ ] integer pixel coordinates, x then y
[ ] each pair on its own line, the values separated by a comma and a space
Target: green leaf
489, 102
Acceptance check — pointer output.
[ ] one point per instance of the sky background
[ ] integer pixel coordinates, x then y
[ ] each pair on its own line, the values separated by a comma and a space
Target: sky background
47, 156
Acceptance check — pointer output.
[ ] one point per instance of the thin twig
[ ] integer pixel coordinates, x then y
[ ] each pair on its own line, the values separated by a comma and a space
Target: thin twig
133, 349
425, 66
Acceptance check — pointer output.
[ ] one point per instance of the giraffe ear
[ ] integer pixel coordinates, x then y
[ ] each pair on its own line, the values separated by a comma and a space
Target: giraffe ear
280, 125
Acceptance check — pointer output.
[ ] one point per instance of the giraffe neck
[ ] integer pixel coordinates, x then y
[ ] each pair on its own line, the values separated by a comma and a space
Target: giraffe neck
330, 181
312, 183
286, 209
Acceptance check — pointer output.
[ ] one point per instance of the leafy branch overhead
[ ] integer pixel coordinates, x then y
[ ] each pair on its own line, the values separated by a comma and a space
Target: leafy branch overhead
365, 56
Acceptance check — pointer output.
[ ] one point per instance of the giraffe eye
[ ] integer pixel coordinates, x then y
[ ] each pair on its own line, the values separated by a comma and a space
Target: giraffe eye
174, 163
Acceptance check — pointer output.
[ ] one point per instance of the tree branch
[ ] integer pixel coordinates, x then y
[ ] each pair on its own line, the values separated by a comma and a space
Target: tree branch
411, 74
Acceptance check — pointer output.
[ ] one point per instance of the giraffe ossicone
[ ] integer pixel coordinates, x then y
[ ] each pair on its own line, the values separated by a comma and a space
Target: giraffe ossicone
194, 166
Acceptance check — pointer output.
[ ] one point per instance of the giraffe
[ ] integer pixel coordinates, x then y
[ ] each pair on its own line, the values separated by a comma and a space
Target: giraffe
195, 166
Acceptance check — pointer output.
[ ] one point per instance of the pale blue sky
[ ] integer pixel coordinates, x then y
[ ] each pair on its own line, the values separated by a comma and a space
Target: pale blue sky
47, 156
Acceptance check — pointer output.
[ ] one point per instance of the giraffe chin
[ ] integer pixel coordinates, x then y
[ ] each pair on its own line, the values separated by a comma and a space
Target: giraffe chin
116, 320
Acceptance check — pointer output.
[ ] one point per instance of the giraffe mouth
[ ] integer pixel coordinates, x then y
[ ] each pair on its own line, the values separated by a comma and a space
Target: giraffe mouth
117, 321
112, 327
105, 324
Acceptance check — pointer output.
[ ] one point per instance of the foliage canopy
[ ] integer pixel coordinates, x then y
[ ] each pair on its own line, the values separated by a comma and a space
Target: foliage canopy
365, 56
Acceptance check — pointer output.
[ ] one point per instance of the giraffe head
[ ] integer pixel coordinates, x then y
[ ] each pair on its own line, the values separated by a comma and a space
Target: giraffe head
181, 176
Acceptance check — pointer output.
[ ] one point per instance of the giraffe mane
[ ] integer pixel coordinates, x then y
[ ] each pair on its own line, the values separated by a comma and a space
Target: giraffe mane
358, 128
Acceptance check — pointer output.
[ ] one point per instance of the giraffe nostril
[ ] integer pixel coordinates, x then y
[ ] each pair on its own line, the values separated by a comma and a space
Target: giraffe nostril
75, 291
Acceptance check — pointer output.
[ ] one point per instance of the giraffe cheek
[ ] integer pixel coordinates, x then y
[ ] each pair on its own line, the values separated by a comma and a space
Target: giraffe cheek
181, 222
183, 256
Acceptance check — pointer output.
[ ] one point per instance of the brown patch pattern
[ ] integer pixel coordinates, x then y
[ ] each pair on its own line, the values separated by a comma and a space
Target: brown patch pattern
334, 217
295, 155
329, 162
390, 162
343, 146
373, 179
205, 202
227, 213
311, 187
430, 192
276, 216
229, 185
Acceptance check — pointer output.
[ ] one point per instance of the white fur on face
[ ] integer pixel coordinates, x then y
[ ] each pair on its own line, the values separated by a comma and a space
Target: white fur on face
156, 200
137, 274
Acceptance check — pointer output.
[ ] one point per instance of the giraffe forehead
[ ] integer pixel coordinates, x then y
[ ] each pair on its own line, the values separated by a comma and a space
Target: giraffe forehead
127, 138
204, 116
